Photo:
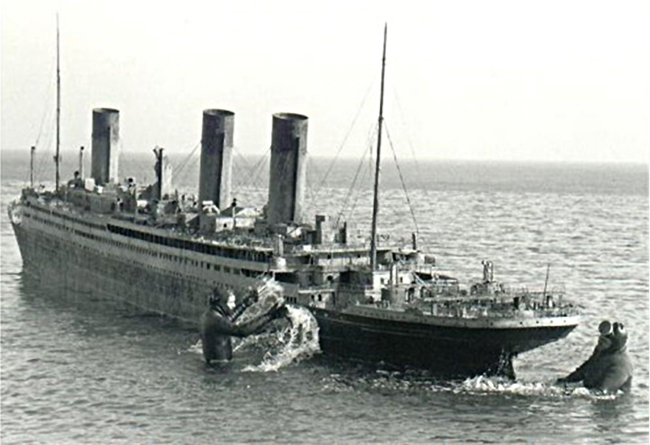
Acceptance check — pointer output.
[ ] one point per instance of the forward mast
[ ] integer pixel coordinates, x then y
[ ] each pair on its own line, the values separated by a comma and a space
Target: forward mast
57, 157
375, 205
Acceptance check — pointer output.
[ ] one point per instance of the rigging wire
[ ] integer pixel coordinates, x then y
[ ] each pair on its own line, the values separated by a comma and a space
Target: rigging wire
251, 179
313, 192
347, 135
236, 159
410, 143
256, 175
401, 177
310, 203
370, 168
193, 166
44, 138
186, 165
42, 163
251, 175
122, 159
351, 190
408, 135
261, 163
187, 159
47, 100
308, 189
366, 175
354, 180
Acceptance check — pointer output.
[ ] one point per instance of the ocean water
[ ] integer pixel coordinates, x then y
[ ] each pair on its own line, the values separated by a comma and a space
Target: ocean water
78, 369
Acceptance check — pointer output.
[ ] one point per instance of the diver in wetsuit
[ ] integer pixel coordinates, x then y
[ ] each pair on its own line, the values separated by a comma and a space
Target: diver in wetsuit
609, 368
218, 323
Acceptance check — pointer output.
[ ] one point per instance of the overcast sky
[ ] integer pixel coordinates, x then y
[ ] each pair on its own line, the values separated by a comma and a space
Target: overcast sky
470, 80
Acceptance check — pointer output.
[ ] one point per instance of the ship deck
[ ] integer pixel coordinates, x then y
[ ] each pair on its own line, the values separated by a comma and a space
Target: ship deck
466, 318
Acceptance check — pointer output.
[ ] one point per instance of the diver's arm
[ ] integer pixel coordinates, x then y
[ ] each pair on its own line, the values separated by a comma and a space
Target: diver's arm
224, 326
249, 327
579, 374
576, 376
239, 310
243, 305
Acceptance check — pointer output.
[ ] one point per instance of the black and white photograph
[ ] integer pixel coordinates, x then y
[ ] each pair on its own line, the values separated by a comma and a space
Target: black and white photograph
310, 222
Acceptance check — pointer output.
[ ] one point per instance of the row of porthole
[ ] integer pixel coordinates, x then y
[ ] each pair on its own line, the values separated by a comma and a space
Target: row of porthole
125, 245
153, 268
196, 263
48, 222
66, 217
166, 272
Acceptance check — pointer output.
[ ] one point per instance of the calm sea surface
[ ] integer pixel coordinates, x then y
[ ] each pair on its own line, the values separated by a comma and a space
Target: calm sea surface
77, 369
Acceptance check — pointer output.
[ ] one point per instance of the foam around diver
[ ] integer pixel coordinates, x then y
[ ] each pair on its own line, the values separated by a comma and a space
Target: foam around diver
269, 298
297, 342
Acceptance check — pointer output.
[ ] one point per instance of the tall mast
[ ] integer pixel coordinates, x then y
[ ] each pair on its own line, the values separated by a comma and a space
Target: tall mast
58, 107
375, 205
31, 166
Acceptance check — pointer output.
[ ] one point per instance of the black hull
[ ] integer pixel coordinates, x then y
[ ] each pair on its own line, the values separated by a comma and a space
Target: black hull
445, 351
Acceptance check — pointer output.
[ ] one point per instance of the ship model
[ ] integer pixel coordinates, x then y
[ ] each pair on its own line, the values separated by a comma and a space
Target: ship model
164, 253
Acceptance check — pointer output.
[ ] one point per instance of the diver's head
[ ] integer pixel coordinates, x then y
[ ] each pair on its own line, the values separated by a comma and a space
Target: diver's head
218, 298
222, 299
613, 337
619, 339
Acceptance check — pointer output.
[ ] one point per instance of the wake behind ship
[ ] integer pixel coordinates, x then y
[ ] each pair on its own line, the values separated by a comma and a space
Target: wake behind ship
164, 252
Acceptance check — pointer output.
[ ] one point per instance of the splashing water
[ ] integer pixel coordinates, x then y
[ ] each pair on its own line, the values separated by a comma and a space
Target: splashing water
269, 294
482, 384
196, 348
297, 342
365, 379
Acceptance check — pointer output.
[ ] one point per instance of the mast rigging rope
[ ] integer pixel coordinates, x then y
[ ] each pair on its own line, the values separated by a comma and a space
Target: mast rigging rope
347, 135
354, 180
401, 178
